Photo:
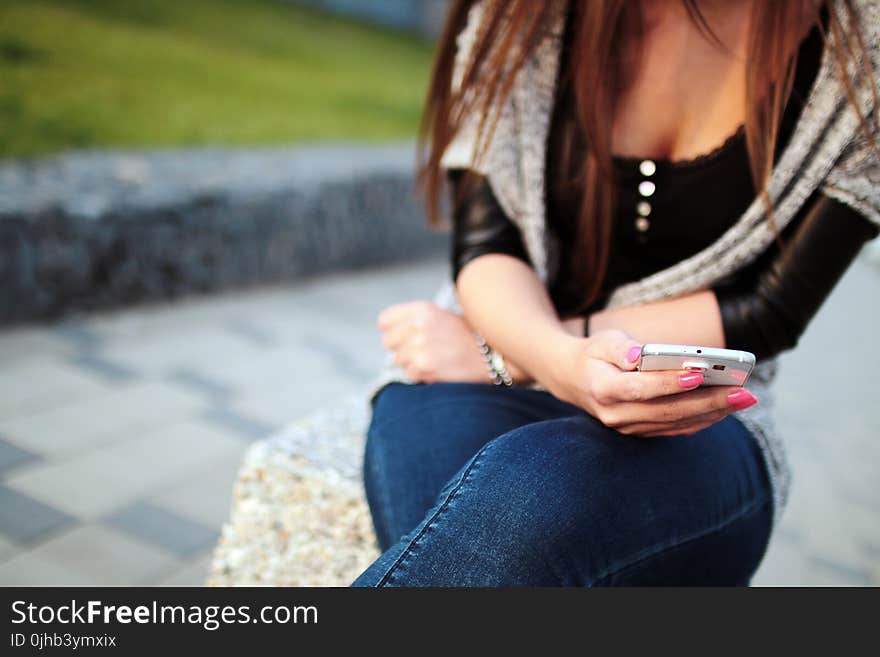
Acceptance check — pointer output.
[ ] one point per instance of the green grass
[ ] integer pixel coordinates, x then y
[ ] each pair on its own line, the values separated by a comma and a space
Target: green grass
130, 73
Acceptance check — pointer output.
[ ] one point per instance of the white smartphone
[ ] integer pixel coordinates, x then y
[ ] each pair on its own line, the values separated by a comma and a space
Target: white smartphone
719, 367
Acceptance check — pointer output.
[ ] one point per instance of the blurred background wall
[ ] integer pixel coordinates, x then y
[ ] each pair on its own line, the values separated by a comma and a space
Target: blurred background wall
151, 149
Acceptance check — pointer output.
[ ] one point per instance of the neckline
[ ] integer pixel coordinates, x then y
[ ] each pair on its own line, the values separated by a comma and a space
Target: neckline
629, 161
801, 91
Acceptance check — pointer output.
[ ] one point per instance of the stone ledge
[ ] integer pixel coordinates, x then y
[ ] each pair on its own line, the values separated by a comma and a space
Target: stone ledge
299, 516
100, 229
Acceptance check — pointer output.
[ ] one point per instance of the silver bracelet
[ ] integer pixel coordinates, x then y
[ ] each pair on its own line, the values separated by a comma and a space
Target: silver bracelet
495, 364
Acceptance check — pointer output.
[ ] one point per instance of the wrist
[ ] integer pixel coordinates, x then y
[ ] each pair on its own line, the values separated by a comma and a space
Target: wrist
554, 357
518, 374
576, 326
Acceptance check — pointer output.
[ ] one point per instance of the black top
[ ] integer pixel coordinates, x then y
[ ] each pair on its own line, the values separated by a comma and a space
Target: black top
692, 204
764, 306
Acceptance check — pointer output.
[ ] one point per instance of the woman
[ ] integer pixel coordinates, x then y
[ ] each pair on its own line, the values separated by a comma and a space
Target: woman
622, 172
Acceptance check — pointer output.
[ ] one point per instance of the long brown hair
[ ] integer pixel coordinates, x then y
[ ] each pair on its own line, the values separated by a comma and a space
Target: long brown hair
509, 32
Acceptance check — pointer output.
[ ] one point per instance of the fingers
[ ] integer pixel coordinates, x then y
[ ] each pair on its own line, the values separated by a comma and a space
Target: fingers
397, 322
679, 408
404, 312
676, 410
414, 362
644, 386
408, 354
687, 428
396, 336
615, 347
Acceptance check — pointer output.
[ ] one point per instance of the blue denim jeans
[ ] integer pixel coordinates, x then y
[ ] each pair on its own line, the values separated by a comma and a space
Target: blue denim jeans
481, 485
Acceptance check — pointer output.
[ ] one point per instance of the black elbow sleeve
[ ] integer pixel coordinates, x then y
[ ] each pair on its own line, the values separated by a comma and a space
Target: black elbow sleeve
790, 287
480, 225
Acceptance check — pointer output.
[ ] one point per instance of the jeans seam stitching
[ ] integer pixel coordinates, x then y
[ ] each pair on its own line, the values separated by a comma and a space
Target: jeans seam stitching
749, 510
458, 486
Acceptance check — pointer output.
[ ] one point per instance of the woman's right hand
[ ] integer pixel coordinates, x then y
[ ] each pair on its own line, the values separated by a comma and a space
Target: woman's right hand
598, 374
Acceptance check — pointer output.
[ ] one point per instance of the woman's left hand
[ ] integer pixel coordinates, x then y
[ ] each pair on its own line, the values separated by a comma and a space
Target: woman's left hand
431, 343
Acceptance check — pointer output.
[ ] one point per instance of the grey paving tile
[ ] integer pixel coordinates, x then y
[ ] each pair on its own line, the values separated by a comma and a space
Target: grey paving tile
344, 359
8, 549
847, 573
872, 550
359, 296
194, 573
43, 382
26, 569
24, 519
89, 555
172, 454
205, 495
156, 525
86, 486
120, 413
790, 535
278, 404
156, 354
104, 479
863, 520
200, 383
12, 457
252, 332
863, 495
872, 253
269, 367
104, 367
784, 565
245, 427
19, 345
828, 526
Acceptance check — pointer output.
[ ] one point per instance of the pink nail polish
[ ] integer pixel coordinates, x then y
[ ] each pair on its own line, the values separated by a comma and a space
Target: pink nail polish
633, 354
741, 399
690, 380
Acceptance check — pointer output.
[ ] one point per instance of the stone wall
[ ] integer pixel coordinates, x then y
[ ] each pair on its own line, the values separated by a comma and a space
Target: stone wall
100, 229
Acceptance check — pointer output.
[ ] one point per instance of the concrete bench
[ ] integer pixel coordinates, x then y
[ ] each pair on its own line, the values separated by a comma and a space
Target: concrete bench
299, 516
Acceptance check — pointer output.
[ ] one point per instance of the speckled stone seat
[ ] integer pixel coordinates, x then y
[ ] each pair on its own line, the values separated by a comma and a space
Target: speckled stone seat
299, 516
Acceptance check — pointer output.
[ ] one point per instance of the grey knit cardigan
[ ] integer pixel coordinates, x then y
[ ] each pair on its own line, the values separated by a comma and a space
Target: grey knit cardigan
828, 152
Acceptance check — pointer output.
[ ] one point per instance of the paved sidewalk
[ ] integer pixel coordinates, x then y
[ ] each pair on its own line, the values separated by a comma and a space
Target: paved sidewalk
121, 433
